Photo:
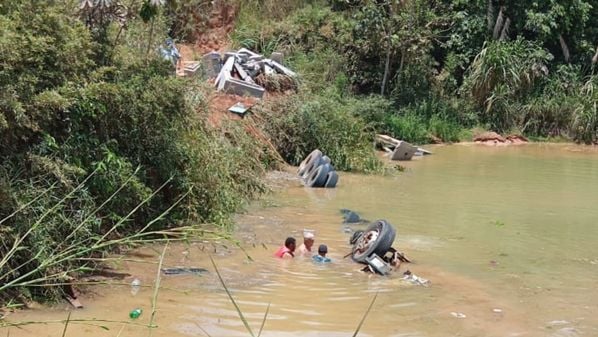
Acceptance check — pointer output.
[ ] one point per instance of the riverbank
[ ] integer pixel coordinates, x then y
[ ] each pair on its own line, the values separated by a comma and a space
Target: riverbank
103, 147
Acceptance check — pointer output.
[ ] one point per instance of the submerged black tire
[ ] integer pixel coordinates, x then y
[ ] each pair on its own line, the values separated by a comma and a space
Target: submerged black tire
386, 236
331, 179
312, 166
318, 176
308, 161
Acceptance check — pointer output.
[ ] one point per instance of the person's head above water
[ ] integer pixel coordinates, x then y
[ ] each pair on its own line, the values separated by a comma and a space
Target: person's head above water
290, 243
323, 250
308, 239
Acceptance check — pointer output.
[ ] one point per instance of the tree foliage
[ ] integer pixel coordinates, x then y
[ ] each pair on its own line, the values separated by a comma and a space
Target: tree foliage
101, 145
500, 59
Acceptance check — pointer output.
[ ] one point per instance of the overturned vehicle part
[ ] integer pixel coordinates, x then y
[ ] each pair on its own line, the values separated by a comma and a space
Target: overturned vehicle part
376, 239
373, 247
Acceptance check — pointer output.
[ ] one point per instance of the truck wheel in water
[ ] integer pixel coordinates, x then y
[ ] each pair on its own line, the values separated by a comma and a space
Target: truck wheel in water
318, 176
304, 164
331, 179
376, 239
315, 161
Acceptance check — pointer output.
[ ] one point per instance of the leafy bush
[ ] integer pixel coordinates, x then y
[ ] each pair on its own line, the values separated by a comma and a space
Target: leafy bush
409, 127
446, 130
298, 125
102, 153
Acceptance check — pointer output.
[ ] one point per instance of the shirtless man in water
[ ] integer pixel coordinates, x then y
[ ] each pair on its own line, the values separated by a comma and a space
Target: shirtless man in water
288, 250
308, 242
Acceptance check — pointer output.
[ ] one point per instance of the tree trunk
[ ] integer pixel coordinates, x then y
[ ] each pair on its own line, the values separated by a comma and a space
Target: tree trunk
498, 25
595, 58
149, 42
505, 30
402, 62
386, 68
490, 15
564, 47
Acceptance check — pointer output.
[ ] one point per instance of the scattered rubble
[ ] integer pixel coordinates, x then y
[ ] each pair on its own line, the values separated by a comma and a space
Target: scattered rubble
493, 138
398, 149
247, 73
414, 279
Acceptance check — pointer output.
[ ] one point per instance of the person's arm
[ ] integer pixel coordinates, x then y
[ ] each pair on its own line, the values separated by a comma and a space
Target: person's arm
287, 255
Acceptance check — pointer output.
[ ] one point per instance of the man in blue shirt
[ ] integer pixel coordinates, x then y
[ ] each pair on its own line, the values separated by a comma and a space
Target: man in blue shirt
321, 257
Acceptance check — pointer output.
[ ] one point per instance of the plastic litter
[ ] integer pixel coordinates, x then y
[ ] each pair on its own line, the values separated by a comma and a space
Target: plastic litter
409, 276
135, 286
135, 313
458, 314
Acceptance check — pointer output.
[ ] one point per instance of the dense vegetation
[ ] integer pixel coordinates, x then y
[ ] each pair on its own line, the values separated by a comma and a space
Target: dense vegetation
102, 146
433, 69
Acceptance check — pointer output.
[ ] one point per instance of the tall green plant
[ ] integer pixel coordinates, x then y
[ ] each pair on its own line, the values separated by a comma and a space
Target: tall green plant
502, 73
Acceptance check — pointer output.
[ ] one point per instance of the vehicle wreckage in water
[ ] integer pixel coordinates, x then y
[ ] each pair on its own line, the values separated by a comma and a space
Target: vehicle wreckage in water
373, 247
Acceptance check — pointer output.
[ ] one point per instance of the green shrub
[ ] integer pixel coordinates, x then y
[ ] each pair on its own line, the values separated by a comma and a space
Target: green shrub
446, 130
100, 153
298, 125
410, 127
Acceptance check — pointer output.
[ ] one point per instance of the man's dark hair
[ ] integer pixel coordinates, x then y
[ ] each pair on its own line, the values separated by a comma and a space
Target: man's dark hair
289, 241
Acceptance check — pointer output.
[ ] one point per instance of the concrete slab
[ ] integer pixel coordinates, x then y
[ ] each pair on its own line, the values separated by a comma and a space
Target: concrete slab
282, 69
247, 51
268, 70
191, 68
227, 55
277, 57
225, 73
403, 151
212, 63
243, 74
237, 87
239, 108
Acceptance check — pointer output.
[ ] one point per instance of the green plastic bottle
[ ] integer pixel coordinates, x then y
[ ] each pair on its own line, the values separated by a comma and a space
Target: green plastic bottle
135, 313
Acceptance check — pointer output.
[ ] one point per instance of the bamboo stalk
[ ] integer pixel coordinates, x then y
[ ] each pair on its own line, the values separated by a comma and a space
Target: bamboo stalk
156, 289
365, 315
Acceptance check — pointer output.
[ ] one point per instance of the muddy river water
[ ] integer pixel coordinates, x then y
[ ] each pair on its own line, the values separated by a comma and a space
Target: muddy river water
507, 236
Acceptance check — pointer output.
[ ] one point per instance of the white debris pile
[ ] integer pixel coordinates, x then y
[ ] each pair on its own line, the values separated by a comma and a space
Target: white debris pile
247, 73
399, 149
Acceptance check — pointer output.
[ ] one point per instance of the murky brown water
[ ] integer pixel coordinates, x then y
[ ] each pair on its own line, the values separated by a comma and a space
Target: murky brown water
493, 228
